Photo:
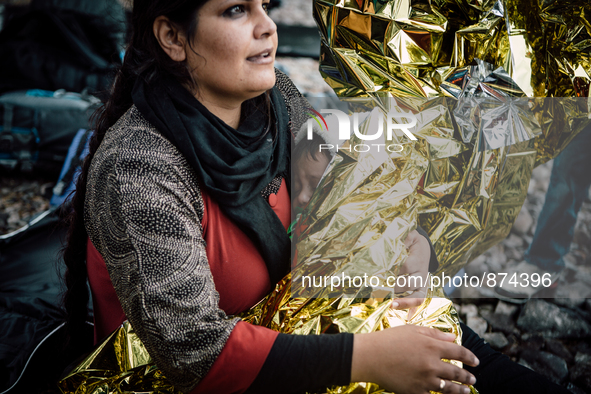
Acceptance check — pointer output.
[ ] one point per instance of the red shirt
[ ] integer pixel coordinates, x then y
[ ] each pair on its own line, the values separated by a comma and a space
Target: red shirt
241, 278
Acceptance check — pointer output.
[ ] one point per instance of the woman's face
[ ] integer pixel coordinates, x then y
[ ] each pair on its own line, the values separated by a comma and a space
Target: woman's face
233, 52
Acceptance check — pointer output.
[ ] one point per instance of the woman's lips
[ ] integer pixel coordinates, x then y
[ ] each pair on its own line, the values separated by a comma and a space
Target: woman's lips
264, 57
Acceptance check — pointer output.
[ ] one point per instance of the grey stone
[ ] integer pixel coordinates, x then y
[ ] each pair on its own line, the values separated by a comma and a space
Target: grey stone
496, 340
583, 273
513, 349
469, 310
571, 261
486, 292
469, 294
515, 254
552, 321
500, 322
528, 239
572, 295
570, 303
531, 342
524, 222
556, 347
547, 364
580, 373
513, 241
14, 218
542, 175
582, 236
3, 219
532, 187
496, 260
485, 308
504, 308
525, 364
477, 324
495, 264
477, 267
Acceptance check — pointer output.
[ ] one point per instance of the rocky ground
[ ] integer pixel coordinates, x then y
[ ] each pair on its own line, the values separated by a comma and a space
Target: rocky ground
21, 198
550, 335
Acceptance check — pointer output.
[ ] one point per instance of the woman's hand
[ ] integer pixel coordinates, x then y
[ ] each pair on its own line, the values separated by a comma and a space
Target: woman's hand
407, 360
416, 267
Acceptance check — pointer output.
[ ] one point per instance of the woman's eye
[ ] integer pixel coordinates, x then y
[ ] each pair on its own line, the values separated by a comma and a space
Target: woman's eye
234, 11
266, 7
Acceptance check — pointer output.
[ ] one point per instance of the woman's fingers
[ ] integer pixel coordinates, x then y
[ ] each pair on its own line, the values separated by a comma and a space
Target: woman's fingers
436, 334
455, 373
451, 351
410, 238
452, 379
415, 275
448, 387
407, 359
406, 303
416, 266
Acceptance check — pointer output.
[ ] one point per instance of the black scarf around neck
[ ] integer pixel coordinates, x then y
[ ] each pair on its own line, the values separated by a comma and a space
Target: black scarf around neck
232, 165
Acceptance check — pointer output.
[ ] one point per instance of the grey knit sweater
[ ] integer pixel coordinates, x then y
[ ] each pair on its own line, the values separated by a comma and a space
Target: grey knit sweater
142, 212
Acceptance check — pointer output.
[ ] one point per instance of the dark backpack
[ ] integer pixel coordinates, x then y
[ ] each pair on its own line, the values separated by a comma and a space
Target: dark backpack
37, 127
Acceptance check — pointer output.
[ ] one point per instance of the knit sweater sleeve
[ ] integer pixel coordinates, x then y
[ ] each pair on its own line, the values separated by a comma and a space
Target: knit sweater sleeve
141, 215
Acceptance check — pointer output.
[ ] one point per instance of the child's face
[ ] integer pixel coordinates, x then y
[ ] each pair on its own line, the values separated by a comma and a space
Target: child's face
307, 173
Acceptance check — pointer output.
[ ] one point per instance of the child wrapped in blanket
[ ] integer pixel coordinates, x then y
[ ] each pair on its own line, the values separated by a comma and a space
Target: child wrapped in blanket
496, 373
311, 157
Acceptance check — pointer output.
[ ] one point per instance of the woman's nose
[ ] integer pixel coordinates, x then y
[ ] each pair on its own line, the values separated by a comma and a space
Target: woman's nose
265, 25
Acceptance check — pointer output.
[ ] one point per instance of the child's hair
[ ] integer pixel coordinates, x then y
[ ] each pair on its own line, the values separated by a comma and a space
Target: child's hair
311, 148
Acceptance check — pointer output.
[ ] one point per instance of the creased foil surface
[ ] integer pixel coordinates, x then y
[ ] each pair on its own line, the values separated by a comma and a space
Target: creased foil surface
406, 48
118, 365
505, 58
304, 316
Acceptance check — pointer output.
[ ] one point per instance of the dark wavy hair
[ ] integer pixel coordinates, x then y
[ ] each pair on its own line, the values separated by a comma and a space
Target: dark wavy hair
144, 58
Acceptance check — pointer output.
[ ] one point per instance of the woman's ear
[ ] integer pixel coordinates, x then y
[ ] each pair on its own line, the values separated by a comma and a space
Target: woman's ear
170, 38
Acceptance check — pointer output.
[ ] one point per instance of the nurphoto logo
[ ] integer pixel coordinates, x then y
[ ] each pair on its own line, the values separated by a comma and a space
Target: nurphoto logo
392, 121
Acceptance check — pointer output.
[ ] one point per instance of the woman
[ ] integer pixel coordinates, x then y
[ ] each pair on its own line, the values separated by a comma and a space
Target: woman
186, 185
